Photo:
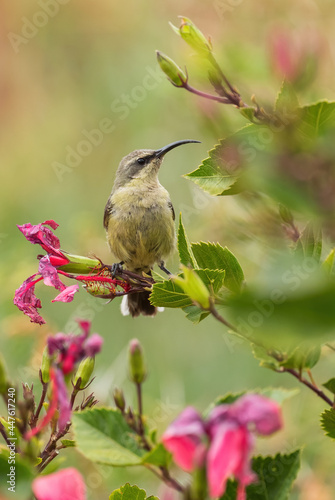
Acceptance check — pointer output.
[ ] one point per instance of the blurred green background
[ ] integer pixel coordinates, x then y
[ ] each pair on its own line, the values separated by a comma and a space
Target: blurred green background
61, 79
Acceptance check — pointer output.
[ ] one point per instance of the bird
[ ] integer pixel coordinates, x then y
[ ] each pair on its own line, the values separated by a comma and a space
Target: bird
139, 220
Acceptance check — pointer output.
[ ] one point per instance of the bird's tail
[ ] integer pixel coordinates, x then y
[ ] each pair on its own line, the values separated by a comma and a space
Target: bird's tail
136, 304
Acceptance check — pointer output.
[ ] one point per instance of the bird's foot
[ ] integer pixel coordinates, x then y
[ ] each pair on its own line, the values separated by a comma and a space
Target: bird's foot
163, 268
116, 268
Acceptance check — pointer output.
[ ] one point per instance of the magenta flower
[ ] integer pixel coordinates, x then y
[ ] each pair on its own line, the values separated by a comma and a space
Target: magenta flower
229, 440
66, 484
184, 438
57, 264
71, 349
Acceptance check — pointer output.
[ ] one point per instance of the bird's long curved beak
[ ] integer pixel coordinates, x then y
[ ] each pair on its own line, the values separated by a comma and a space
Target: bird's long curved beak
165, 149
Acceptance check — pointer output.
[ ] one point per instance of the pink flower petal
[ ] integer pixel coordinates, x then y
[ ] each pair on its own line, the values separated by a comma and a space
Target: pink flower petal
49, 273
93, 345
64, 405
264, 413
66, 484
41, 235
228, 455
67, 294
183, 438
26, 300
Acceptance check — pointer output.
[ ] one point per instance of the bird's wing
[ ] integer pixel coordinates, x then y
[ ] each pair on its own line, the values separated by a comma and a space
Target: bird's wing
107, 213
172, 210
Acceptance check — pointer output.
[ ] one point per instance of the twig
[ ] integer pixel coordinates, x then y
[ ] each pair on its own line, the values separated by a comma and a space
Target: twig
35, 416
308, 384
166, 478
293, 372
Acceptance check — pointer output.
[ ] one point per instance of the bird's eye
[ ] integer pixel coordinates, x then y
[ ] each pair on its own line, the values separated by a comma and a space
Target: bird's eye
141, 161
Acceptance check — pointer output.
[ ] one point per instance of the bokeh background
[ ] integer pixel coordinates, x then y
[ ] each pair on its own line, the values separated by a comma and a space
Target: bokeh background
95, 60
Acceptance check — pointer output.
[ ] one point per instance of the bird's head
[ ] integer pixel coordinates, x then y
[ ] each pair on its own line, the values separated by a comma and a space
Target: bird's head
143, 164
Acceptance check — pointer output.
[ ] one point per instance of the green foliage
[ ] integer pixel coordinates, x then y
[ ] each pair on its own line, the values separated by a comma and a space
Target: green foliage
158, 456
275, 478
217, 267
103, 436
128, 492
186, 256
218, 174
286, 101
328, 422
214, 256
330, 385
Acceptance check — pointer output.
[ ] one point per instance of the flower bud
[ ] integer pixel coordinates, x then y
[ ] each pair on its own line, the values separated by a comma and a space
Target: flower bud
3, 376
137, 368
193, 36
84, 371
45, 365
174, 73
119, 399
194, 287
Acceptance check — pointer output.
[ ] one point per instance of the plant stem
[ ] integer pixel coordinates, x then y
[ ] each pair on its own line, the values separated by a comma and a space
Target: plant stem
34, 418
223, 100
308, 384
140, 408
164, 475
293, 372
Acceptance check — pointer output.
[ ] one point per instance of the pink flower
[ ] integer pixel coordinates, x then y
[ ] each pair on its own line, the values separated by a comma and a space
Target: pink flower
66, 484
71, 349
184, 437
228, 432
64, 405
67, 294
26, 300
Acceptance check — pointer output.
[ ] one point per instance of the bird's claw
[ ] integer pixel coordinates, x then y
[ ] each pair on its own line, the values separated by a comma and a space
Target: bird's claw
116, 268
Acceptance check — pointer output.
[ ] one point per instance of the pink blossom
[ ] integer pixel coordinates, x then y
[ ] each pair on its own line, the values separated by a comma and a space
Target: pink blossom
66, 484
26, 300
41, 235
71, 349
67, 294
64, 405
183, 438
229, 440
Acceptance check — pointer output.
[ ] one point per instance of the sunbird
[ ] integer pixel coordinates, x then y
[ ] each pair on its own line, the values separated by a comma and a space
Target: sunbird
139, 220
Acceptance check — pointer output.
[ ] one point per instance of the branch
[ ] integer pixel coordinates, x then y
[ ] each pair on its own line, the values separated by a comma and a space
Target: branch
293, 372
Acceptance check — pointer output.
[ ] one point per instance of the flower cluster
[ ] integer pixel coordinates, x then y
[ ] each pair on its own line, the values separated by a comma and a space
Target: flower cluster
63, 354
96, 277
223, 442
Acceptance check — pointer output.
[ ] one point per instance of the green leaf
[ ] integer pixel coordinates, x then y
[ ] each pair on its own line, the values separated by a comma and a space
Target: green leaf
287, 100
328, 263
103, 436
128, 492
168, 294
24, 476
275, 478
311, 241
328, 422
330, 385
317, 119
303, 357
184, 248
195, 314
278, 394
265, 359
211, 256
248, 113
219, 173
158, 456
68, 442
